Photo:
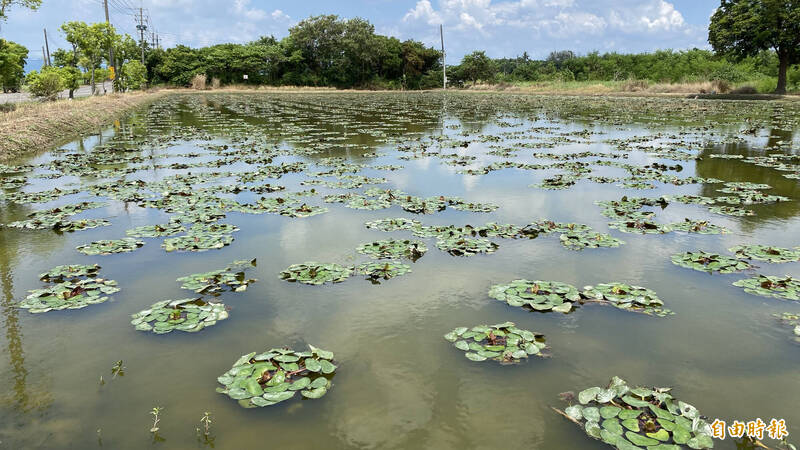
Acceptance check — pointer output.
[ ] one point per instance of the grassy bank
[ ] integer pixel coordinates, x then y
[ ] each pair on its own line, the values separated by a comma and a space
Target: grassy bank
34, 127
633, 87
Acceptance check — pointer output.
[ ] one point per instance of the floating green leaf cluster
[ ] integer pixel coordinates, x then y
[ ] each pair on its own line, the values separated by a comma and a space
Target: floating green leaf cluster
383, 270
771, 286
709, 262
537, 295
74, 287
215, 282
698, 226
632, 418
107, 247
791, 321
766, 253
197, 242
268, 378
627, 297
462, 246
588, 239
641, 226
503, 342
190, 315
154, 231
315, 273
394, 224
393, 249
70, 272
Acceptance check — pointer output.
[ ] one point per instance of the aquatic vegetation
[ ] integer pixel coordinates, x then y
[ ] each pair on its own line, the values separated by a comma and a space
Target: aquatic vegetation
578, 240
628, 418
731, 211
394, 224
391, 249
627, 297
503, 342
698, 226
461, 246
197, 242
640, 226
766, 253
72, 294
792, 321
268, 378
709, 262
314, 273
190, 315
376, 271
216, 281
771, 286
154, 231
59, 274
462, 205
537, 295
107, 247
58, 223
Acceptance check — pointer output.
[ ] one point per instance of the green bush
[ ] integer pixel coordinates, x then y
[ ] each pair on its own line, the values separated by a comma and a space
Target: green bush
766, 85
46, 84
134, 75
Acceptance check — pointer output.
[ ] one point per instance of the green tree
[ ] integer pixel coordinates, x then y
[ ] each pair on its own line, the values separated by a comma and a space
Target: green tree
133, 75
5, 5
46, 84
91, 42
478, 67
741, 28
12, 64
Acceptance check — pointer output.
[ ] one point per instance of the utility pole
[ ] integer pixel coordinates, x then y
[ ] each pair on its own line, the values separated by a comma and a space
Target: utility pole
141, 27
44, 58
444, 59
111, 61
47, 46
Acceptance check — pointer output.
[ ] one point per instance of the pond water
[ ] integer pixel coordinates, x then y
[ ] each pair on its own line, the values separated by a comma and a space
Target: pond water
398, 384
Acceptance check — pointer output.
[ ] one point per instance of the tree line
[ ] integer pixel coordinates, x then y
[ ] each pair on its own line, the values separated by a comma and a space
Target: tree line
751, 39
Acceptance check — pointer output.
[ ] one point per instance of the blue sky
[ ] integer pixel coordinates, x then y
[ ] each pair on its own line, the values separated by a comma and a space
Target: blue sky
501, 27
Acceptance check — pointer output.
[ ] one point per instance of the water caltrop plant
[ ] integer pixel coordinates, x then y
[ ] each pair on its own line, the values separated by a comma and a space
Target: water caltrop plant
274, 376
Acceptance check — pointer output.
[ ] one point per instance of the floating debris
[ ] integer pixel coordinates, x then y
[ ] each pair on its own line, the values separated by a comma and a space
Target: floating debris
268, 378
190, 315
630, 418
503, 342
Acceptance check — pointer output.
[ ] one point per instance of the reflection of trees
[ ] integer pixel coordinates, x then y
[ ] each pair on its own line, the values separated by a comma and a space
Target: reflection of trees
738, 170
22, 396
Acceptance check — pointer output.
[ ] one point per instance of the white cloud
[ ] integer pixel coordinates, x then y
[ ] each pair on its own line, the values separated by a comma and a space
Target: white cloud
423, 11
279, 15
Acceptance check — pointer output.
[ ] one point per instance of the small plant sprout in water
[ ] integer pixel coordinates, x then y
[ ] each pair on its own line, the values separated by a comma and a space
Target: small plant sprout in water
155, 412
117, 369
206, 421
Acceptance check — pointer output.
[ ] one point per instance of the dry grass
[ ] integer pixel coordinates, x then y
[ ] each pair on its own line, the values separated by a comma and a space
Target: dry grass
40, 126
199, 82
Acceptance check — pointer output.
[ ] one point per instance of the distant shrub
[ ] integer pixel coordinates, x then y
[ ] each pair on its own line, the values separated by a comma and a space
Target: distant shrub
745, 90
635, 85
720, 86
46, 84
135, 75
199, 82
215, 83
7, 107
767, 85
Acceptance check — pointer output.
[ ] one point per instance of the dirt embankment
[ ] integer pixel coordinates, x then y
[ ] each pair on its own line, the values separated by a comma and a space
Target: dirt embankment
36, 127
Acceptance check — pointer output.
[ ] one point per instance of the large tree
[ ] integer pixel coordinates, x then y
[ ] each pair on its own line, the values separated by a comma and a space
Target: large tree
5, 5
92, 43
12, 62
741, 28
